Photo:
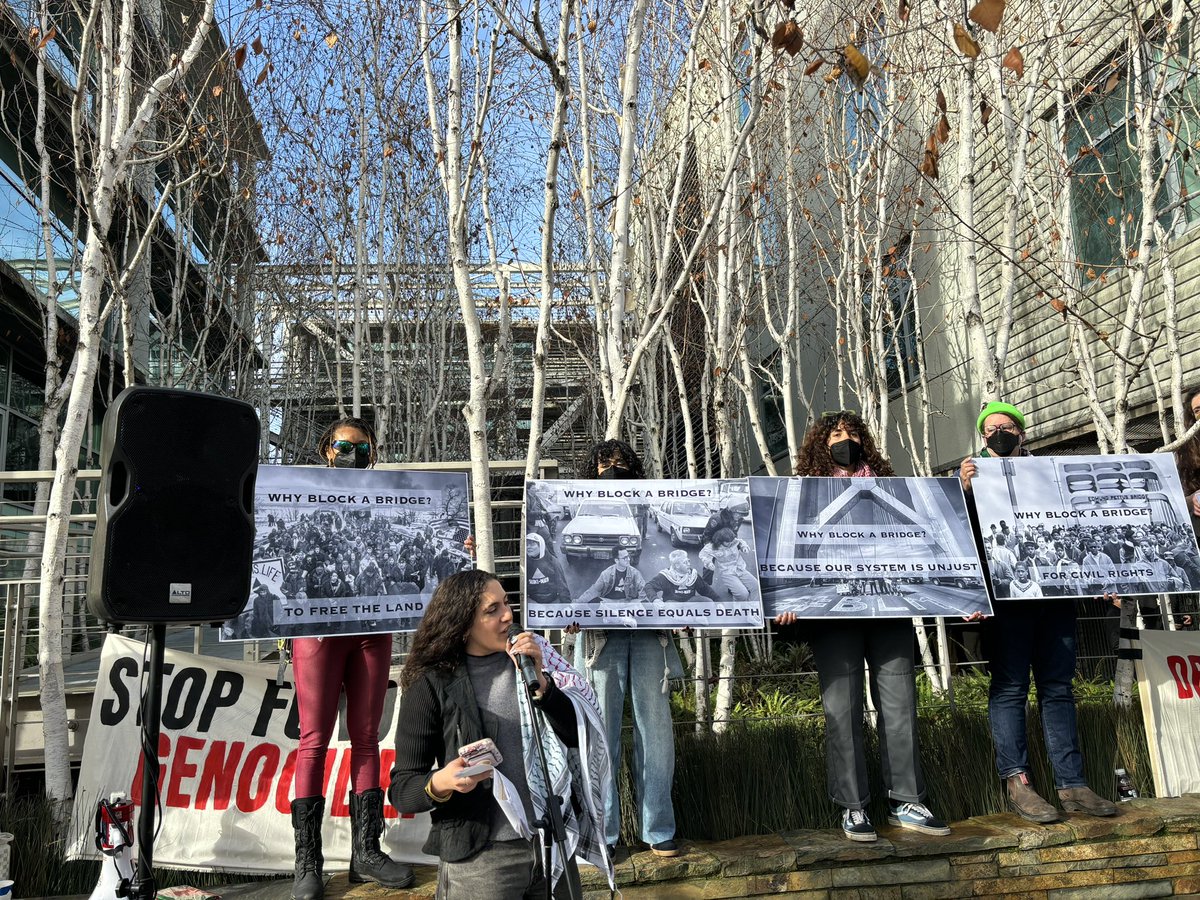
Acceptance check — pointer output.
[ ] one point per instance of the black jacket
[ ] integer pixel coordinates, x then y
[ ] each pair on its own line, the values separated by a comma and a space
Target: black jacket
439, 714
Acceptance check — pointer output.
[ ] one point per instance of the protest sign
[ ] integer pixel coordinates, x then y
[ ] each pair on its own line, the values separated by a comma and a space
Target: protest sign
1169, 688
349, 551
865, 547
228, 748
640, 554
1081, 526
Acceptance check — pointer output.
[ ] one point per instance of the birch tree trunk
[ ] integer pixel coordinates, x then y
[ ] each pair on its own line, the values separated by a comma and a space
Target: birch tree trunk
456, 174
122, 117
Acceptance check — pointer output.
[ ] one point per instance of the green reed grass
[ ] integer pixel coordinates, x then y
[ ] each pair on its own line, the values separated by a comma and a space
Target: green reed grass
767, 776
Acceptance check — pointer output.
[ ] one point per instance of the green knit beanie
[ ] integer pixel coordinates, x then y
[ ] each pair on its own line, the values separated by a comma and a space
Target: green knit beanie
997, 407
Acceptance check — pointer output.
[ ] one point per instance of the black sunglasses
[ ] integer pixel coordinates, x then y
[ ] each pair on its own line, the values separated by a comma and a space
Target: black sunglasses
363, 448
838, 413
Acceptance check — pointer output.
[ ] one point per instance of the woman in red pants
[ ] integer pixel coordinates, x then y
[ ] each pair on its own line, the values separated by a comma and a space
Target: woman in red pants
323, 667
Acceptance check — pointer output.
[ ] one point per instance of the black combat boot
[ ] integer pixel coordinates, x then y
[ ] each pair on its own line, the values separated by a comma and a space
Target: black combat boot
309, 881
367, 861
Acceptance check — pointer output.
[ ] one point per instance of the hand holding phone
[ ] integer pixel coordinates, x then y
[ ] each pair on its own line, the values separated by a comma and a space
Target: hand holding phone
480, 756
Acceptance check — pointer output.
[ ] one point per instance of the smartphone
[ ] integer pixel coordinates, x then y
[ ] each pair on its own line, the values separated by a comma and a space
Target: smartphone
481, 756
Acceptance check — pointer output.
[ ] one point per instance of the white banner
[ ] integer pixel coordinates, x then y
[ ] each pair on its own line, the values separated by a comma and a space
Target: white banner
227, 752
1169, 686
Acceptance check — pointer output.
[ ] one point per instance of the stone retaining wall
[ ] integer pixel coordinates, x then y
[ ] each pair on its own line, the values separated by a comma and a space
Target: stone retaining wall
1149, 850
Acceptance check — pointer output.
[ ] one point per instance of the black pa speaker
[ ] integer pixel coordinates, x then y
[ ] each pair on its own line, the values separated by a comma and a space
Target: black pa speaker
175, 515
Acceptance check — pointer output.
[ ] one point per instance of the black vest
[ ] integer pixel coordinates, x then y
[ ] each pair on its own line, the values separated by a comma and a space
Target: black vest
461, 826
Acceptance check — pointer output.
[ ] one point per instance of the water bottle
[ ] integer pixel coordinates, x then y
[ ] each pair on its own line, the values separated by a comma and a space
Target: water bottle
1125, 787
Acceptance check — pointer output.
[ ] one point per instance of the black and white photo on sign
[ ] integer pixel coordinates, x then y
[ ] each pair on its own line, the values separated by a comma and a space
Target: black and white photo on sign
865, 547
350, 551
1082, 526
640, 554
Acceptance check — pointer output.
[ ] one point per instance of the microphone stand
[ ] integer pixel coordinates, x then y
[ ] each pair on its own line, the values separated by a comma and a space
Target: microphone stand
550, 824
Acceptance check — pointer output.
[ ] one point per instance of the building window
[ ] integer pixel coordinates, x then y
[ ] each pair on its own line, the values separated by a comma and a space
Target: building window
901, 356
771, 404
20, 408
1103, 143
900, 336
22, 247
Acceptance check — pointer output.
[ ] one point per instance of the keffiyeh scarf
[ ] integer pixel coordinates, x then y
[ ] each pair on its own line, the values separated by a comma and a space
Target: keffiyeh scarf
577, 777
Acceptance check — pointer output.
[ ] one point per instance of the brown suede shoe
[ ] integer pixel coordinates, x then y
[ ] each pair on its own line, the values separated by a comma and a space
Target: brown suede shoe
1026, 802
1085, 800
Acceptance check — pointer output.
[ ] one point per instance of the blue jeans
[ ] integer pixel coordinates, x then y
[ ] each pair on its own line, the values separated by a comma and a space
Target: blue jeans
633, 661
1038, 634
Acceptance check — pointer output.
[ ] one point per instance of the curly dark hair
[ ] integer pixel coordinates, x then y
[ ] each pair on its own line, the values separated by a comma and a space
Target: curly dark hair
326, 437
814, 458
614, 452
440, 641
1187, 456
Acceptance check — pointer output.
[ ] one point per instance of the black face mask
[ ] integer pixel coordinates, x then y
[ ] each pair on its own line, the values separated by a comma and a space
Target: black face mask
616, 473
351, 460
1002, 443
846, 453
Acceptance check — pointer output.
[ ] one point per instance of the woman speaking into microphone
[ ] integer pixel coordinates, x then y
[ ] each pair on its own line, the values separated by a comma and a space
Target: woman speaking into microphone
460, 688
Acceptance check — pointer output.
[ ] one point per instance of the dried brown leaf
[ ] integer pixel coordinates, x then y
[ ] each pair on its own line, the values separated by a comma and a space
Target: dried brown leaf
1111, 84
987, 14
857, 66
1015, 61
47, 39
788, 37
217, 90
929, 167
940, 100
942, 131
965, 43
985, 112
239, 56
903, 11
814, 65
257, 46
331, 40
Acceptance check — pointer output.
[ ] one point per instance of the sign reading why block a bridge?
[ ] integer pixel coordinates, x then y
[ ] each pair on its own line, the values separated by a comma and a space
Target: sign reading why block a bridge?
350, 551
1081, 526
230, 734
640, 554
865, 548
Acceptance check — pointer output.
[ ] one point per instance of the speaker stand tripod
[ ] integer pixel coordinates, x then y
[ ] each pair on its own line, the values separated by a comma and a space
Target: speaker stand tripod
143, 887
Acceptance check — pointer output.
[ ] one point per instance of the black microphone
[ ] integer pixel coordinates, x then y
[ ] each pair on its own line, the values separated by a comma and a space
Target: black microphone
525, 663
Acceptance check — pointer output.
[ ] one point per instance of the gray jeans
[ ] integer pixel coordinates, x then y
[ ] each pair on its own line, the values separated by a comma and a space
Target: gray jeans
503, 870
840, 648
